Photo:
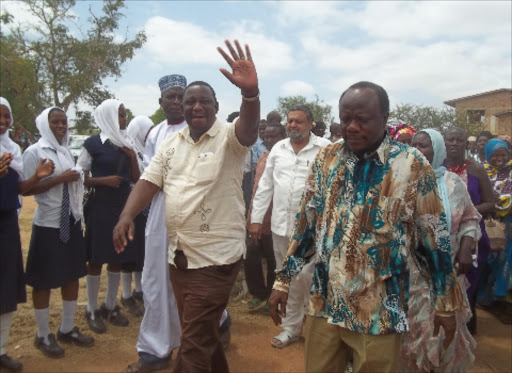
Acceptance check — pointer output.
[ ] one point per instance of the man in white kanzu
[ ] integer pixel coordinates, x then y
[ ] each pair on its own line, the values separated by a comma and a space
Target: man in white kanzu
283, 181
160, 329
200, 169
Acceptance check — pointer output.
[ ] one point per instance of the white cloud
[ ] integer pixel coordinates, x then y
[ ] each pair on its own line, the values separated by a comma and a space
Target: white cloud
22, 15
297, 87
20, 12
140, 99
183, 43
426, 20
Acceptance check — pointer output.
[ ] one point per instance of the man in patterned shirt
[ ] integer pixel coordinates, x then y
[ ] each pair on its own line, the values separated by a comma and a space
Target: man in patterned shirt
369, 203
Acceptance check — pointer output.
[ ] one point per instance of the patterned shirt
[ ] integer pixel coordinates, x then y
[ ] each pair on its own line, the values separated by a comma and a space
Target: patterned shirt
360, 219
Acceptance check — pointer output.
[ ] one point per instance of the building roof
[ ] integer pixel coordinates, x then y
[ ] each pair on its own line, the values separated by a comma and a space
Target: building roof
454, 101
502, 113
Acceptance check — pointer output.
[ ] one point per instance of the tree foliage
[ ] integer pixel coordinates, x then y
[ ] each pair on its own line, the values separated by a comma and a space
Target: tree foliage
158, 116
423, 117
84, 123
321, 111
70, 62
19, 83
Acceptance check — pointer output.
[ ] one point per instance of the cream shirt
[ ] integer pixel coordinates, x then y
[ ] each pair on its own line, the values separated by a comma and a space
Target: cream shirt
201, 182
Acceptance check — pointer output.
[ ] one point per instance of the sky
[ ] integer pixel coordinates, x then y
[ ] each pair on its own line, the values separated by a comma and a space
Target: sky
422, 53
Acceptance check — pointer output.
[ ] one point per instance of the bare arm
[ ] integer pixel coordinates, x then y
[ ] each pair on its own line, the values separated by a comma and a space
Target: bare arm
244, 77
44, 169
486, 206
139, 198
43, 186
134, 165
112, 181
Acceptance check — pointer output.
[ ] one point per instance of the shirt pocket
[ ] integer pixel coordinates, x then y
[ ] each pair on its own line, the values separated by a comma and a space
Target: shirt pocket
206, 169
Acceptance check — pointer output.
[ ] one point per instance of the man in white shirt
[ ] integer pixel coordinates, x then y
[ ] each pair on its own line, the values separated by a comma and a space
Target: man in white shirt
200, 169
283, 181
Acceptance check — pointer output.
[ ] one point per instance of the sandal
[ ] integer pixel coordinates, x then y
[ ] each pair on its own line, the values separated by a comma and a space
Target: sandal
138, 367
256, 303
284, 340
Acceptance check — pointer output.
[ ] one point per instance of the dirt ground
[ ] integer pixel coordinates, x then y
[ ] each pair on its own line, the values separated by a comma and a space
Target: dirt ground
249, 351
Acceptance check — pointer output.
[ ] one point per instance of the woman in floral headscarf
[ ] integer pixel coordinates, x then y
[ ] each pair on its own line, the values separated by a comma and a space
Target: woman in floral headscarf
402, 133
110, 165
498, 274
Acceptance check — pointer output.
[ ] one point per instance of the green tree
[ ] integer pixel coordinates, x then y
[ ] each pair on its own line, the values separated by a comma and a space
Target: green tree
129, 116
71, 68
84, 123
321, 111
423, 117
158, 116
19, 82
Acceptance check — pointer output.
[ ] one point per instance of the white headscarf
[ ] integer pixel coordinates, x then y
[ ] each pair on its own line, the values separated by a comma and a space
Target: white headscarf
137, 131
75, 188
439, 155
106, 117
9, 146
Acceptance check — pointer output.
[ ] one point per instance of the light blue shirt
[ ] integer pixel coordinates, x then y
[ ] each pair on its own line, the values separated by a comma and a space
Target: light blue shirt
257, 150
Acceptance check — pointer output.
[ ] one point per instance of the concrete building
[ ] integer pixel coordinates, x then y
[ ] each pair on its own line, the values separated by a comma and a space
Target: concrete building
493, 109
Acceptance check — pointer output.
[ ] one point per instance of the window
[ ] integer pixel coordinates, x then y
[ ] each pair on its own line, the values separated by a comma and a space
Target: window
475, 116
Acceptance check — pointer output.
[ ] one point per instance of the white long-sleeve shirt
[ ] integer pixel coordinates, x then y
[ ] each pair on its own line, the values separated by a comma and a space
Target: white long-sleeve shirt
283, 181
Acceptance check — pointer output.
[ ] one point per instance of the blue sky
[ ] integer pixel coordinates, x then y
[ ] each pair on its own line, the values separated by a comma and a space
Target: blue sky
420, 52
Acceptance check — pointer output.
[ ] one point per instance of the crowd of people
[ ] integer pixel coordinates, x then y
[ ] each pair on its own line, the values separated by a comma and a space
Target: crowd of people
372, 244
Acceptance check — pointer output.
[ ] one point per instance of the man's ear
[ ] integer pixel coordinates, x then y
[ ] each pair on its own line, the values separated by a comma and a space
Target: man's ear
160, 101
385, 117
216, 107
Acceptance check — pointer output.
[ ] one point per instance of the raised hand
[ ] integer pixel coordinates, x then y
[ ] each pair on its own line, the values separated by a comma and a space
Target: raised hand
45, 168
129, 152
244, 72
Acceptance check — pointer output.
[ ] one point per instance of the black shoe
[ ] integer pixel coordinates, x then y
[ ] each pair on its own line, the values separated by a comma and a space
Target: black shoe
115, 317
52, 350
97, 325
139, 296
11, 364
132, 306
74, 336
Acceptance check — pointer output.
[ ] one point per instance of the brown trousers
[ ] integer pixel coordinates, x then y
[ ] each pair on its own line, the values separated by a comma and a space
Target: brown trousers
328, 348
202, 295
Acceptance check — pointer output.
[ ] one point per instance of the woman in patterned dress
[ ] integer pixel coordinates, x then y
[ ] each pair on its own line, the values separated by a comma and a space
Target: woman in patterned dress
424, 349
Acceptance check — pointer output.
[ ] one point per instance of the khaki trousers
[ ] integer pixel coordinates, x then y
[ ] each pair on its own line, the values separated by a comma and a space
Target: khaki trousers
328, 348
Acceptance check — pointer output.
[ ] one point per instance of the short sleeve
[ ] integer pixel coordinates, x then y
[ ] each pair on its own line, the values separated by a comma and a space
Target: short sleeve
155, 171
30, 162
84, 160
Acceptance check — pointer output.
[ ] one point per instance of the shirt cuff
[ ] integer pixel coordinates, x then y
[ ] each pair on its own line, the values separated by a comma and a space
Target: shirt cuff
281, 286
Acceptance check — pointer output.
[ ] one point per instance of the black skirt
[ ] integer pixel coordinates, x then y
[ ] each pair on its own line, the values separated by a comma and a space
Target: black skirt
12, 284
51, 263
104, 211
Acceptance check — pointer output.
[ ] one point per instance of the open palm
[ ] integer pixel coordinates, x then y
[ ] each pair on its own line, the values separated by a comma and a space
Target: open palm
243, 73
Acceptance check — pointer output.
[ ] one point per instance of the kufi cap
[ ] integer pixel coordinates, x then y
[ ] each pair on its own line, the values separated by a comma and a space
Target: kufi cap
173, 80
471, 138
